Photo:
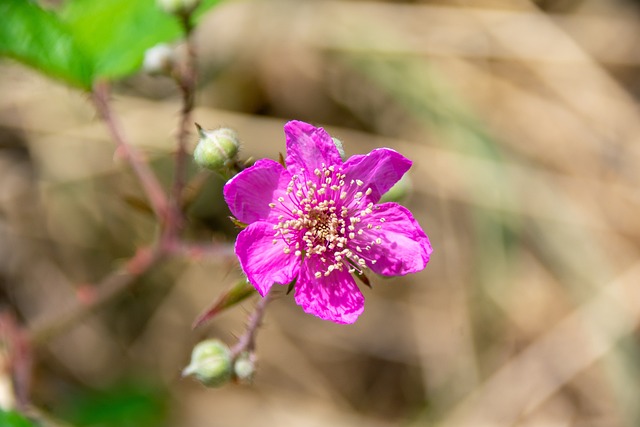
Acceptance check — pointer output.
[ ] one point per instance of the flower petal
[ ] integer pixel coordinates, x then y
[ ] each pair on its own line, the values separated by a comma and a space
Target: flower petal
249, 193
378, 170
335, 297
263, 261
309, 147
395, 241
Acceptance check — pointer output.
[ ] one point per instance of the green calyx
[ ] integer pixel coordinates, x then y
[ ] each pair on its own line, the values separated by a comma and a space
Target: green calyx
217, 150
211, 363
244, 367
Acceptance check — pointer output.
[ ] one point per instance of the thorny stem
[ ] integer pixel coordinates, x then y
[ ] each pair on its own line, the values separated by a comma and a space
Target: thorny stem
186, 81
21, 341
149, 181
116, 282
104, 291
169, 213
170, 217
247, 342
199, 250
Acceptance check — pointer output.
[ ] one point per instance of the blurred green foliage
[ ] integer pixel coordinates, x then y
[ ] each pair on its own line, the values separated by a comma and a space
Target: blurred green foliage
123, 405
86, 40
14, 419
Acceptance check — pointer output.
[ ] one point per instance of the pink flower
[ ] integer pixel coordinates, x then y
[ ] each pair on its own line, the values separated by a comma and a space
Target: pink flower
317, 221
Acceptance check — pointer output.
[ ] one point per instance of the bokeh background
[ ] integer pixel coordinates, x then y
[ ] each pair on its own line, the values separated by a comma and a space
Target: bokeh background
522, 120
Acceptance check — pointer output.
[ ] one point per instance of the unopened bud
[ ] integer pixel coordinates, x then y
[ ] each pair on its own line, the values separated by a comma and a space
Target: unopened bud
210, 363
244, 367
178, 7
399, 191
217, 149
340, 148
159, 59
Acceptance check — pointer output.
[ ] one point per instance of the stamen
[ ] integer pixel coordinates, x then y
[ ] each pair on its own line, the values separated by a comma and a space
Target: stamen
316, 220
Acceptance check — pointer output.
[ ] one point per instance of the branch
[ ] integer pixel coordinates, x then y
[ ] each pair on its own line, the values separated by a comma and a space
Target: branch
198, 251
89, 300
247, 342
186, 81
149, 181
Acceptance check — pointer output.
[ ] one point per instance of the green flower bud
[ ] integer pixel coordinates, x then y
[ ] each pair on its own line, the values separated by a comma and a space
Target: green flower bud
244, 367
340, 148
210, 363
217, 149
159, 59
399, 191
178, 7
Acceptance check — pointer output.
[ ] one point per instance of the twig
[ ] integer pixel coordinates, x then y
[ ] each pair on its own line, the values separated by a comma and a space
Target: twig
186, 81
102, 292
247, 342
149, 181
199, 250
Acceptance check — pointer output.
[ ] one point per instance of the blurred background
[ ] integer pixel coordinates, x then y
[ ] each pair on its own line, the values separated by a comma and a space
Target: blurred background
521, 118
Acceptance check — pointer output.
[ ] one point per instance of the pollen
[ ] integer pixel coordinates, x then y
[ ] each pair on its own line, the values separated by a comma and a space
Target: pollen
320, 217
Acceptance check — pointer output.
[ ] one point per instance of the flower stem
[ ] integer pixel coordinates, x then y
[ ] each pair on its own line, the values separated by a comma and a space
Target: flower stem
148, 180
186, 80
247, 342
110, 286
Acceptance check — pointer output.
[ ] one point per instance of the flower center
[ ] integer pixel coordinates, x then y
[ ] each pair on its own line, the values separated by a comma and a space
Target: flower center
322, 225
320, 216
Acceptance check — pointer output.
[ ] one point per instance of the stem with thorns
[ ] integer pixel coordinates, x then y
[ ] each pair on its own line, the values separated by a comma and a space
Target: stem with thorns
109, 287
148, 180
186, 80
247, 342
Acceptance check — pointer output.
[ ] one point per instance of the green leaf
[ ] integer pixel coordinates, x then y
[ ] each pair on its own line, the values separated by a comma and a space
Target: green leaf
236, 294
39, 39
14, 419
139, 204
88, 39
291, 285
241, 225
116, 33
363, 278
